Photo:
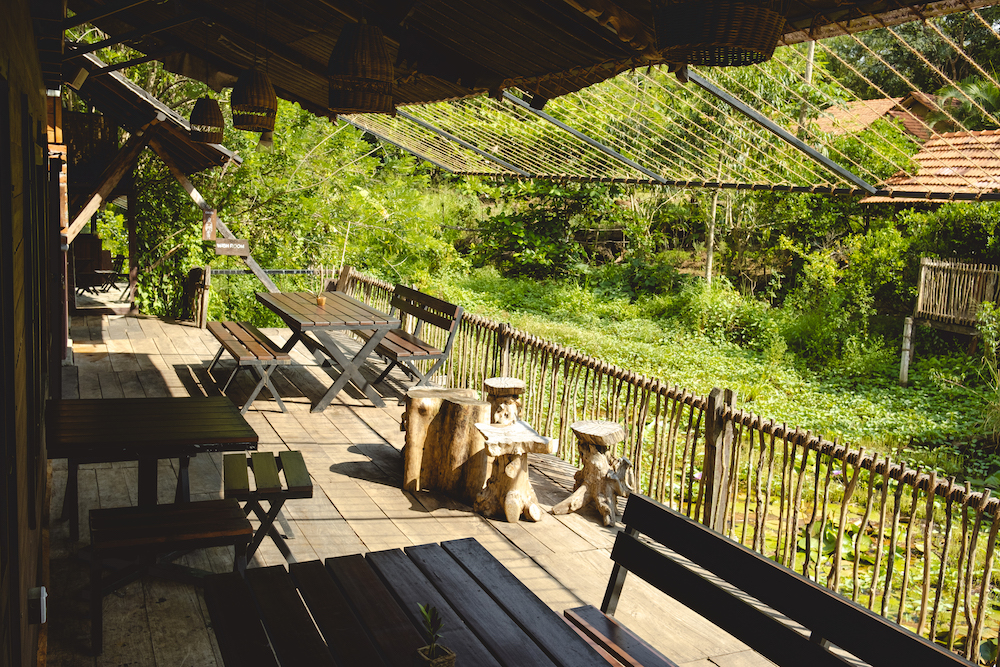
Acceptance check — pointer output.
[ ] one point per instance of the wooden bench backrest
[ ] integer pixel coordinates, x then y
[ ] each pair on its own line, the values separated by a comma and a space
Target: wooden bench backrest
830, 617
426, 308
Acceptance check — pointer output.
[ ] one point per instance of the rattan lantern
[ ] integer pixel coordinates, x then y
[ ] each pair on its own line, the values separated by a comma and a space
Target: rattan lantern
207, 123
360, 72
717, 32
253, 102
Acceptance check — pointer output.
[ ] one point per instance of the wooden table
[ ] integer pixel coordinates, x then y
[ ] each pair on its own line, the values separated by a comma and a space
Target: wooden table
365, 612
314, 325
143, 430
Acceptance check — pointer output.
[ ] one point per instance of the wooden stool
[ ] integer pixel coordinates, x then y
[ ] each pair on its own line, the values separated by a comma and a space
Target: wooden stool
604, 476
267, 483
143, 533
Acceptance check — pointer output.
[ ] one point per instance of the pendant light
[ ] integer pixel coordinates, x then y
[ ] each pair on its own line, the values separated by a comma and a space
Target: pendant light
253, 102
718, 33
360, 71
206, 121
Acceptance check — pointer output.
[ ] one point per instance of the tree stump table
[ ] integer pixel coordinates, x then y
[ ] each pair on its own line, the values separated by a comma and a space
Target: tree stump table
508, 491
444, 451
604, 476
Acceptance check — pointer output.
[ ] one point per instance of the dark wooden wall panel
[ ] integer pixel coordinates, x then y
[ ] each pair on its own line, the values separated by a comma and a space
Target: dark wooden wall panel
25, 327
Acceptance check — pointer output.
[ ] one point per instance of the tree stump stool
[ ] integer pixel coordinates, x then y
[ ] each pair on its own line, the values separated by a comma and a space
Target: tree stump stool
443, 449
504, 396
508, 491
604, 476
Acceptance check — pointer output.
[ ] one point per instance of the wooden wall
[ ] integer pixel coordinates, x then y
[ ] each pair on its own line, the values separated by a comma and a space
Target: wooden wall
25, 237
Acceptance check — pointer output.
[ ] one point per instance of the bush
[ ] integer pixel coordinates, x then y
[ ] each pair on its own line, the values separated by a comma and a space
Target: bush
723, 314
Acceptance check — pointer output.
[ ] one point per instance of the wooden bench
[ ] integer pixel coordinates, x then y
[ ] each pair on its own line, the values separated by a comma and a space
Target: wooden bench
791, 621
402, 348
252, 351
236, 469
140, 534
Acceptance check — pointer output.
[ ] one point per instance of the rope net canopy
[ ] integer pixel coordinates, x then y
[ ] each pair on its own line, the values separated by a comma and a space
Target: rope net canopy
846, 115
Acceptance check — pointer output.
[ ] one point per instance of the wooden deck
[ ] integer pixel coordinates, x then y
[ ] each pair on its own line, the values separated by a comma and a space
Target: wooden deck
352, 451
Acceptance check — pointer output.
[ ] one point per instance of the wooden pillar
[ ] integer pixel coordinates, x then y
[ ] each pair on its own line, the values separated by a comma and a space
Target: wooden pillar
904, 360
718, 450
133, 246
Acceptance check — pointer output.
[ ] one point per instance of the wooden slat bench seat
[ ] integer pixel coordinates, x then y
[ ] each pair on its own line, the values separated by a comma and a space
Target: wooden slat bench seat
252, 351
142, 533
403, 348
784, 616
265, 466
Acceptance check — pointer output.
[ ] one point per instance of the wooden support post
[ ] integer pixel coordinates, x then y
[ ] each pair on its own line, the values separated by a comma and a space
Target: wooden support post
904, 360
718, 450
203, 205
133, 247
202, 316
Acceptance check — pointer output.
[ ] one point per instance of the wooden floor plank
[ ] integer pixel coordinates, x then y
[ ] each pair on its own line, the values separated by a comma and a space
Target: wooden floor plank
352, 452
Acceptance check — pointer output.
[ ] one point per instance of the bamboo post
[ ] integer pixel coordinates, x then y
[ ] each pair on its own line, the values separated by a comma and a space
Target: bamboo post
904, 359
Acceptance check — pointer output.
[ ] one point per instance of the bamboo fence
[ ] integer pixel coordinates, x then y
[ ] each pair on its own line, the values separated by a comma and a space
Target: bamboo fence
951, 292
904, 543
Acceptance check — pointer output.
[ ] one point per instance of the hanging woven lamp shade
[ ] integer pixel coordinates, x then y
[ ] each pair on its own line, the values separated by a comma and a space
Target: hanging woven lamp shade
718, 33
207, 124
360, 72
253, 102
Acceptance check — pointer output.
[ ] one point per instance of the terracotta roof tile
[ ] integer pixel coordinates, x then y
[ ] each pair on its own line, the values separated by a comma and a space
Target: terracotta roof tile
952, 162
856, 116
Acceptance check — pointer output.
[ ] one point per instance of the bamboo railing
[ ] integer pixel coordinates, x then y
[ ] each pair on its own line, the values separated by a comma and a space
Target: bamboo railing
906, 544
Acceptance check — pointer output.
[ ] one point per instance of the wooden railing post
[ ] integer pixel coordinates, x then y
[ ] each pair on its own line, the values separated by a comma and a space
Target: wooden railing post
718, 450
503, 348
344, 281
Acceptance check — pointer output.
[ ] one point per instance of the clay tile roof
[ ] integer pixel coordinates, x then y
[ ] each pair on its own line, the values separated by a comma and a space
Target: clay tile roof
856, 116
951, 163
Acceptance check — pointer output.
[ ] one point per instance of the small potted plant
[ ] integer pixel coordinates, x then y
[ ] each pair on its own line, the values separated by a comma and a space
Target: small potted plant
434, 654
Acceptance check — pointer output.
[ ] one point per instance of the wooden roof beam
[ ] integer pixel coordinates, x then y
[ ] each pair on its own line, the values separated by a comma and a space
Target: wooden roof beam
220, 226
79, 48
100, 12
122, 163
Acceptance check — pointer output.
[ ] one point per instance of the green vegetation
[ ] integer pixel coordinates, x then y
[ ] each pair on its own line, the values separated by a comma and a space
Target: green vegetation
803, 316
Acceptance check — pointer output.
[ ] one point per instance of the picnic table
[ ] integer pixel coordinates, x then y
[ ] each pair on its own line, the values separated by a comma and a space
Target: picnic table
314, 325
143, 430
362, 610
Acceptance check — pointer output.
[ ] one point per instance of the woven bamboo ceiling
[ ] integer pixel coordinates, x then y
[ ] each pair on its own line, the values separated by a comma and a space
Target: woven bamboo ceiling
443, 49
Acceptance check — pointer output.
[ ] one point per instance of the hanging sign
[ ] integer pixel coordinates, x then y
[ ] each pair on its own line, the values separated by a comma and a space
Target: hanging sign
238, 247
208, 219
